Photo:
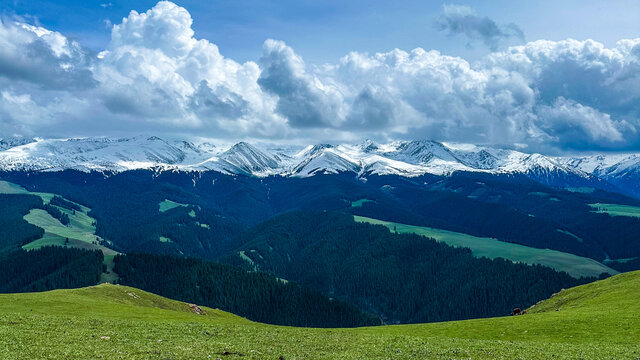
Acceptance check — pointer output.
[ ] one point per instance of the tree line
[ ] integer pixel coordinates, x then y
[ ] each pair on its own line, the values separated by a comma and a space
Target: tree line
48, 268
56, 213
257, 296
14, 230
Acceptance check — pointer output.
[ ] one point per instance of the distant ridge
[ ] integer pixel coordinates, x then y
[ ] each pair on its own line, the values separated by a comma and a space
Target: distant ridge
401, 158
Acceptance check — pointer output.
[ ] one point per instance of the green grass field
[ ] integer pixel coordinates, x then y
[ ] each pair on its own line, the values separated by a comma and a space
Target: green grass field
80, 232
41, 218
359, 203
11, 188
594, 321
621, 260
616, 209
492, 248
167, 205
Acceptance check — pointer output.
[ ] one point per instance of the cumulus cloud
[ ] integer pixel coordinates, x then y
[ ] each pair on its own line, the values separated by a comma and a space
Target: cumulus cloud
462, 20
576, 125
39, 56
155, 76
302, 98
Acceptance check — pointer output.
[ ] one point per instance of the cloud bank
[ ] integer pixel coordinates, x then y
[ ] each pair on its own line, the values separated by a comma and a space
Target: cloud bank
155, 76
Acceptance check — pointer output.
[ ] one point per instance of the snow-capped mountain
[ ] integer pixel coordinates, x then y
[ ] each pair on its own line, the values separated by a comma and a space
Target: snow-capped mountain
98, 154
620, 170
247, 159
9, 142
402, 158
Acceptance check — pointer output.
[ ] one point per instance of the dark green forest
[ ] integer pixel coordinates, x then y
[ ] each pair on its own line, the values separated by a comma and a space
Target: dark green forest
510, 208
56, 213
14, 230
624, 266
59, 201
48, 268
401, 277
255, 295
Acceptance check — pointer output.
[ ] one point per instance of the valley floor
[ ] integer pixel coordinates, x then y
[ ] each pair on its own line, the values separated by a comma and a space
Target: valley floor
595, 321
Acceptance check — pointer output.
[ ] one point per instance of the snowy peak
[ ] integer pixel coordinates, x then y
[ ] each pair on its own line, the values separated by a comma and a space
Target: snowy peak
323, 159
479, 160
248, 159
369, 146
9, 142
605, 165
421, 151
403, 158
314, 150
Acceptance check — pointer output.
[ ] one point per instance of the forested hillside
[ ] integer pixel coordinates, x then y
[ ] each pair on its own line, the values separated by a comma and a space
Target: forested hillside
14, 230
625, 264
401, 277
510, 208
255, 295
48, 268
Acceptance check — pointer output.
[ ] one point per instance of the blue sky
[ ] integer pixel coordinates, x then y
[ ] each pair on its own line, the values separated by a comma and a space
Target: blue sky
325, 30
547, 76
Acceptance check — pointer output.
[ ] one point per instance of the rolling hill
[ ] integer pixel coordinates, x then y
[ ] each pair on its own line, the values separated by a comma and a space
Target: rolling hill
595, 321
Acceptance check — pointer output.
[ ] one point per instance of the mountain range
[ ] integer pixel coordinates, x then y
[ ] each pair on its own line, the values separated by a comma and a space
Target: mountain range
609, 171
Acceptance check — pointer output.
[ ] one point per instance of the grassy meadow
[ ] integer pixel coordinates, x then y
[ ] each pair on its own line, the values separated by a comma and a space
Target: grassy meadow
594, 321
81, 231
167, 205
616, 209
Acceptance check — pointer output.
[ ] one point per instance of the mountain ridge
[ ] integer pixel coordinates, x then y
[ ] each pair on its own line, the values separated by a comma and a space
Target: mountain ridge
402, 158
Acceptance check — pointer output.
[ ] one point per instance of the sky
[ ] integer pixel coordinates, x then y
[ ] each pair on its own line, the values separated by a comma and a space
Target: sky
548, 76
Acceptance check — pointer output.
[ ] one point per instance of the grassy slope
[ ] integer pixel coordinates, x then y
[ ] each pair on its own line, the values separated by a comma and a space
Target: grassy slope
167, 205
595, 321
81, 225
41, 218
359, 203
11, 188
617, 210
80, 232
574, 265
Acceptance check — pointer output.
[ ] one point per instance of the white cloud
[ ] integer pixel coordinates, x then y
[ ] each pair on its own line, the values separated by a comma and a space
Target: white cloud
36, 55
568, 122
156, 76
305, 100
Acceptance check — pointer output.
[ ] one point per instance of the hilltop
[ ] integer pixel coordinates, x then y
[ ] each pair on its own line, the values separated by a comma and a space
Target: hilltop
593, 321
